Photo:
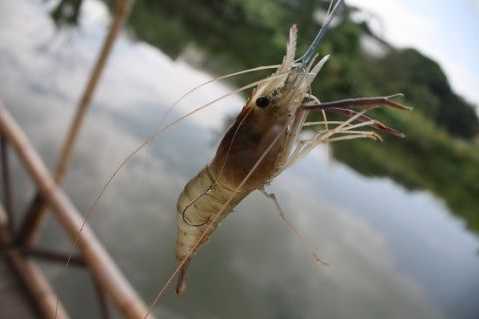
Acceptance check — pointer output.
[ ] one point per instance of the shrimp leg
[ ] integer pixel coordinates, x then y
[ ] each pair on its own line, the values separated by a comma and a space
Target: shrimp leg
291, 227
364, 118
361, 102
366, 103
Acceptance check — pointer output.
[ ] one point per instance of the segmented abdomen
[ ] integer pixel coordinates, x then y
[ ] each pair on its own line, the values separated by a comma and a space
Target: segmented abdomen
199, 203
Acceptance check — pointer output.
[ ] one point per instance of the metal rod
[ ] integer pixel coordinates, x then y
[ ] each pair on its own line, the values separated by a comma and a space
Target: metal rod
35, 283
99, 262
25, 235
7, 185
44, 254
121, 13
102, 300
36, 211
52, 256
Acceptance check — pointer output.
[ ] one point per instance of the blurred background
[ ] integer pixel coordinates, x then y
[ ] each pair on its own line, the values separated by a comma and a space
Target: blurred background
397, 221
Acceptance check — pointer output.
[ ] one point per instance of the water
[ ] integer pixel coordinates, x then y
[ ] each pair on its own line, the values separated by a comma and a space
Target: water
392, 253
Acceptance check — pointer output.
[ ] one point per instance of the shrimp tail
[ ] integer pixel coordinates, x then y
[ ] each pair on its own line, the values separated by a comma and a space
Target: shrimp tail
201, 200
181, 284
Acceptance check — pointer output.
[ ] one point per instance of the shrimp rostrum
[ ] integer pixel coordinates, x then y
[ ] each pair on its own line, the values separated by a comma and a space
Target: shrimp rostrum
264, 140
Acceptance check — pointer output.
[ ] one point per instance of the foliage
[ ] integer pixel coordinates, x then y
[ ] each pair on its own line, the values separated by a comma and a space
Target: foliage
424, 83
429, 158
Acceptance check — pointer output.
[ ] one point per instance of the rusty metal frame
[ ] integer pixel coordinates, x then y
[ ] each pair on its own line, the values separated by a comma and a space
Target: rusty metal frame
18, 246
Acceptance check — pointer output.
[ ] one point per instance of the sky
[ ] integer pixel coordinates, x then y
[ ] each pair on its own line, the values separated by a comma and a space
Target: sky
444, 30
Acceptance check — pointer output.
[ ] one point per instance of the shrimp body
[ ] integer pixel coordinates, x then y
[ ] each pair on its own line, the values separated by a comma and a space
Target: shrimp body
220, 186
263, 141
215, 189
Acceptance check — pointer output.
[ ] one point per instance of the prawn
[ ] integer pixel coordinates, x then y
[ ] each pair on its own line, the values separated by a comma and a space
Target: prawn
264, 140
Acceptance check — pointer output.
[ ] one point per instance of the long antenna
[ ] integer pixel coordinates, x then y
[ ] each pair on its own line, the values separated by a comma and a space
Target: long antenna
311, 51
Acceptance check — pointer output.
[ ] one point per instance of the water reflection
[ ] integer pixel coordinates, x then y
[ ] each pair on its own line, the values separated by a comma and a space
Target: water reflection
392, 253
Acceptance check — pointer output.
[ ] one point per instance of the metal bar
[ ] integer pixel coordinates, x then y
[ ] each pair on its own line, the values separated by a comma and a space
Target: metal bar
30, 222
84, 104
102, 300
44, 254
7, 185
99, 262
52, 256
37, 209
35, 283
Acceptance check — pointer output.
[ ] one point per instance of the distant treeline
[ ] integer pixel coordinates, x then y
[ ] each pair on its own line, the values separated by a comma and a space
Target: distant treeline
441, 152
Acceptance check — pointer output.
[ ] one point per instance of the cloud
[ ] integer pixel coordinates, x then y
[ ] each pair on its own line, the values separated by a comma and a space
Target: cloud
476, 4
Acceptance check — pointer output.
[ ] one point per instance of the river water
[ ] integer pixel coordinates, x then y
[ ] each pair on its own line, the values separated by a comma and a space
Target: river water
392, 253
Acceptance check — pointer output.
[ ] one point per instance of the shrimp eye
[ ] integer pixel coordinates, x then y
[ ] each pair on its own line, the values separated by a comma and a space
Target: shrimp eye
262, 101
